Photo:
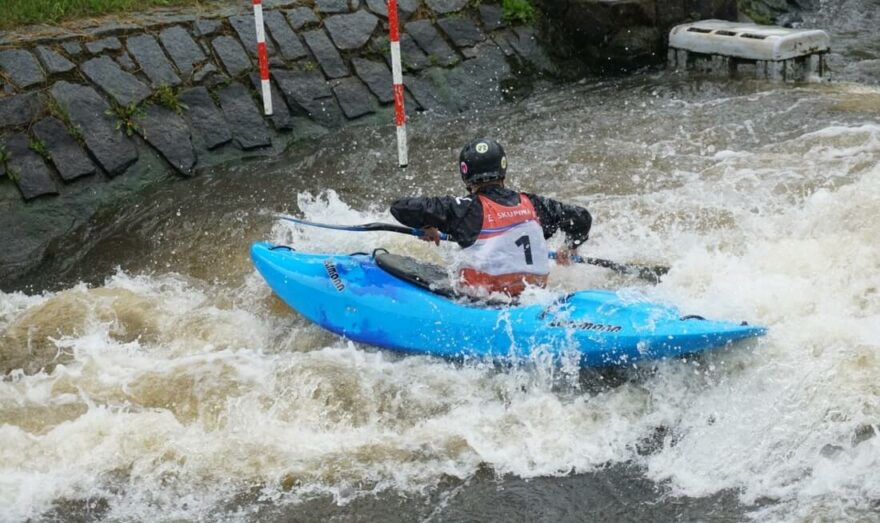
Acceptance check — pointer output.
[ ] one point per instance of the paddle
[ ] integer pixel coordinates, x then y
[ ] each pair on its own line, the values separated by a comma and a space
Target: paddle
649, 273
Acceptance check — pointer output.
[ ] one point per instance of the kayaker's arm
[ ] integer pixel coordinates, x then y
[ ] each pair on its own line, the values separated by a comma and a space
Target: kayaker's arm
574, 221
446, 213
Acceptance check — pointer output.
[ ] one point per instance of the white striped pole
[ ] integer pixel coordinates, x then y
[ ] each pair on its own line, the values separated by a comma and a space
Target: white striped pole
397, 80
263, 57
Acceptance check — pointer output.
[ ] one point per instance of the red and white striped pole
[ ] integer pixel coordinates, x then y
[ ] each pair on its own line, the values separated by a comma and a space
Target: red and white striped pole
263, 57
397, 80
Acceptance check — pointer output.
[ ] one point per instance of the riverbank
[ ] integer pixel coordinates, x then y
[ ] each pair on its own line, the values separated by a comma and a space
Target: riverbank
30, 12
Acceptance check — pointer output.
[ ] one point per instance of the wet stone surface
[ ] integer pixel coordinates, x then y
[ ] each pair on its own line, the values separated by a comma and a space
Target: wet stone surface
233, 56
66, 154
326, 54
405, 8
206, 119
72, 48
282, 119
446, 6
351, 31
430, 40
462, 31
247, 124
354, 98
288, 42
169, 134
377, 76
146, 50
302, 16
184, 51
332, 6
308, 92
208, 26
104, 44
88, 112
492, 16
411, 55
21, 68
53, 62
20, 110
124, 88
247, 33
27, 169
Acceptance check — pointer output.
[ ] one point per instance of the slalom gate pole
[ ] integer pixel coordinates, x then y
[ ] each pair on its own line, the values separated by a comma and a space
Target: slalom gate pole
397, 80
263, 57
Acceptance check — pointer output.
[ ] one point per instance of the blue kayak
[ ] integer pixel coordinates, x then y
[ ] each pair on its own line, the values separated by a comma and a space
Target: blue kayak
382, 300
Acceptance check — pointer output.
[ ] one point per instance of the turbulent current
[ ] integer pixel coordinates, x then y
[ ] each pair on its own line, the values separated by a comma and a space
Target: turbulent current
151, 375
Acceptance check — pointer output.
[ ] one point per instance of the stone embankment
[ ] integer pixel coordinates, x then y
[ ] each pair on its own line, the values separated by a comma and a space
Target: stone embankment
82, 109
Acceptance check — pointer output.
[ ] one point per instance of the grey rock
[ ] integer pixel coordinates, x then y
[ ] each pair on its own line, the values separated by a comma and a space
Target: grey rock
332, 6
525, 42
247, 124
247, 33
411, 55
302, 16
429, 39
281, 117
309, 93
353, 97
208, 26
446, 6
492, 16
124, 88
377, 76
169, 134
426, 93
405, 8
232, 55
477, 82
182, 49
152, 59
28, 169
21, 68
462, 31
21, 110
124, 60
72, 47
88, 112
66, 154
288, 43
351, 31
209, 74
205, 118
327, 55
105, 44
53, 62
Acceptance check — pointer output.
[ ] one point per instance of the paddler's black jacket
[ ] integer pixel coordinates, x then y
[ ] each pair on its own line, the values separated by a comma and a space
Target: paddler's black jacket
462, 217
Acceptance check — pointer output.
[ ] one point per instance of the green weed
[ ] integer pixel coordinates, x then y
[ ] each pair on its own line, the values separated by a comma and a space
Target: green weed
169, 97
517, 11
127, 117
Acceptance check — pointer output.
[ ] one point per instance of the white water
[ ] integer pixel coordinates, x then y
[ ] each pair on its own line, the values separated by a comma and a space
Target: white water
165, 396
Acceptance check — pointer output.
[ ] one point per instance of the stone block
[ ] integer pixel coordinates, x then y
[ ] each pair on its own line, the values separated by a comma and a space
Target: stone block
430, 40
205, 118
169, 134
208, 26
405, 8
287, 41
462, 31
308, 92
426, 93
21, 110
182, 49
104, 44
245, 120
332, 6
377, 76
247, 33
411, 55
476, 82
27, 169
21, 68
53, 62
354, 98
124, 88
492, 16
327, 55
443, 7
88, 112
72, 47
281, 117
302, 16
66, 154
233, 56
146, 50
351, 31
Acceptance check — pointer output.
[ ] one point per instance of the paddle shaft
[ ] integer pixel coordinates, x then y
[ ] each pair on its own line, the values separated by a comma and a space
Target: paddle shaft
650, 273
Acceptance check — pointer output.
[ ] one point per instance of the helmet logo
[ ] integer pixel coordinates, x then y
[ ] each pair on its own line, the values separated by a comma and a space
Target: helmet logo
504, 162
463, 168
482, 147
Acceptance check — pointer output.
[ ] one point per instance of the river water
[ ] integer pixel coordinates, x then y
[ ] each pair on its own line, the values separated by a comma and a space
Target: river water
152, 376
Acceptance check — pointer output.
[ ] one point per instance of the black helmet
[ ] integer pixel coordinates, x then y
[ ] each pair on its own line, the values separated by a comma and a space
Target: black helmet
482, 161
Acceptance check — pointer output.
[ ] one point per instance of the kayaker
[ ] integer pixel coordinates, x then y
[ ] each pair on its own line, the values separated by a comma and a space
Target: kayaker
502, 232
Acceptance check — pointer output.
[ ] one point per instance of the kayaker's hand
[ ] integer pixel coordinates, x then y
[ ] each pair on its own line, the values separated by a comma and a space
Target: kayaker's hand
563, 255
432, 234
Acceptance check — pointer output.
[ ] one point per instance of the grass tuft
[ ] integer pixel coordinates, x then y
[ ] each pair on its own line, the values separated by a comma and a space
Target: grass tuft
14, 13
518, 11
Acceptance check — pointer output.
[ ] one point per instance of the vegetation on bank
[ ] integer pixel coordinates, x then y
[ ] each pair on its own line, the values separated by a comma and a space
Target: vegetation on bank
15, 13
